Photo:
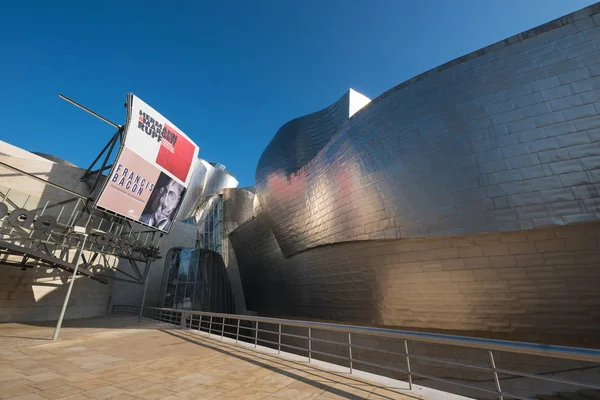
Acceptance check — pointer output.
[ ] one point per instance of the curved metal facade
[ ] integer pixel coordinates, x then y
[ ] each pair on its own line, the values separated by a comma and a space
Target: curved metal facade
465, 198
206, 180
503, 139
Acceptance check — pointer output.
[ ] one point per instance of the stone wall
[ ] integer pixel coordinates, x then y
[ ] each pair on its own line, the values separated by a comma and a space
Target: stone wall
37, 294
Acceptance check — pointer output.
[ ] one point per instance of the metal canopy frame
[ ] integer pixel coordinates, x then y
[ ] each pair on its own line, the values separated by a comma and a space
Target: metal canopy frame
24, 245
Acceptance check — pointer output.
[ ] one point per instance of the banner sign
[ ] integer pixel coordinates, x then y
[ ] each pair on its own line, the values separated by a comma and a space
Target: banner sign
151, 174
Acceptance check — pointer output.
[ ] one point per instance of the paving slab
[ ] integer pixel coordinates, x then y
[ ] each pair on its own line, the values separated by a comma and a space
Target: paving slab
115, 357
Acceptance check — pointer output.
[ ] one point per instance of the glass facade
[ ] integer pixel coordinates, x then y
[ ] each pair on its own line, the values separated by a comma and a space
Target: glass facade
209, 220
196, 279
210, 224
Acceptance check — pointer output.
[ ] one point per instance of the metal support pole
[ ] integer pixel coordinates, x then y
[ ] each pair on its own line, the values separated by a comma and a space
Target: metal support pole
237, 335
309, 344
497, 381
146, 280
350, 349
210, 326
256, 336
64, 307
408, 365
222, 327
279, 343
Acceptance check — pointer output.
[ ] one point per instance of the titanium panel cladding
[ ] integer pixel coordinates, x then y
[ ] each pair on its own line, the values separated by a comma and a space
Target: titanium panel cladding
503, 139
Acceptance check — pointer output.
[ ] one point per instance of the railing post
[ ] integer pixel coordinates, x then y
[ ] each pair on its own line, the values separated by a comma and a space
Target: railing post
408, 365
222, 327
210, 326
350, 349
237, 335
493, 365
279, 342
309, 344
256, 336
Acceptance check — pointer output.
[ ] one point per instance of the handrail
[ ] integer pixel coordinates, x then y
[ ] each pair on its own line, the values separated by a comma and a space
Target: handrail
562, 352
218, 321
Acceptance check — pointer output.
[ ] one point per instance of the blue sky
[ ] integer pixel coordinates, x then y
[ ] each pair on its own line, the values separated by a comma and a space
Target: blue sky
228, 73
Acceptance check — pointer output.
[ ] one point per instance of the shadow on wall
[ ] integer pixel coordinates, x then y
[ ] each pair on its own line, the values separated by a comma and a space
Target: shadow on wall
37, 294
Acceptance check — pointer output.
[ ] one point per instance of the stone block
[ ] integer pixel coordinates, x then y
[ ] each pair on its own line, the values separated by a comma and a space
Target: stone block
486, 275
528, 100
520, 125
579, 112
585, 85
558, 92
508, 116
545, 83
581, 49
568, 102
550, 118
564, 167
569, 41
497, 249
529, 135
574, 76
559, 129
590, 162
589, 97
573, 139
536, 109
588, 59
513, 151
546, 183
542, 145
522, 161
551, 246
552, 58
574, 179
585, 150
553, 155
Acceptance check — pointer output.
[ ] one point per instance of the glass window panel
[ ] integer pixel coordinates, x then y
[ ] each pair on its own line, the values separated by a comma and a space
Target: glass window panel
184, 267
174, 266
189, 296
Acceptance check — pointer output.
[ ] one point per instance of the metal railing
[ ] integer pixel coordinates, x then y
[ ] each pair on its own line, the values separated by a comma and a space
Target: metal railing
217, 323
126, 310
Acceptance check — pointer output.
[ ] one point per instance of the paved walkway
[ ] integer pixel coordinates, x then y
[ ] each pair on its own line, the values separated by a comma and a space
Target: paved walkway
114, 357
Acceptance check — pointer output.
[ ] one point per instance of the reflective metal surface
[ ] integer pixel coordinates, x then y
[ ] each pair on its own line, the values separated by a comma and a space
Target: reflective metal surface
206, 180
503, 139
465, 198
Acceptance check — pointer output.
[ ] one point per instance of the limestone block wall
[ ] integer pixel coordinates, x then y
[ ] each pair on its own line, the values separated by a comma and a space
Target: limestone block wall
38, 294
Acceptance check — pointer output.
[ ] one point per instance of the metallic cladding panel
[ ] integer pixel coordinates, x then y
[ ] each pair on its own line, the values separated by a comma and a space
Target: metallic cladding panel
464, 199
503, 140
206, 180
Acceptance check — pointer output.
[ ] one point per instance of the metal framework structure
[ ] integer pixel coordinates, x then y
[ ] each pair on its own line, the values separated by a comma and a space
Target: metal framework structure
67, 232
24, 245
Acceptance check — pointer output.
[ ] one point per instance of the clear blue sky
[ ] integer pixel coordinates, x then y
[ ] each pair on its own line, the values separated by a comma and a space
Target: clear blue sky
228, 73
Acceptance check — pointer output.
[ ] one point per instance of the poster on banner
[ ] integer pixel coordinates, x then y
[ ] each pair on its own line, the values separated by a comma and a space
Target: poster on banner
158, 141
149, 178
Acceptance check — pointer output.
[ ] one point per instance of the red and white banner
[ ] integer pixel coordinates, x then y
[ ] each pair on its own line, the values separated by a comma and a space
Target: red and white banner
150, 176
